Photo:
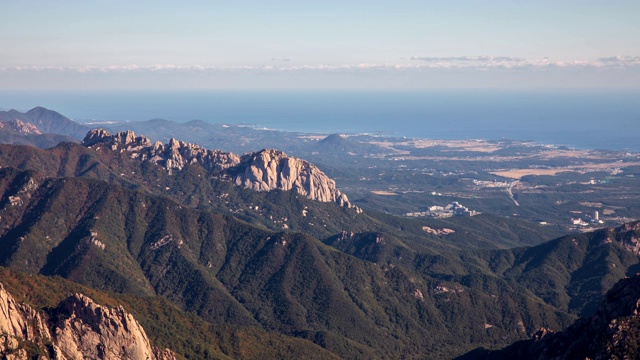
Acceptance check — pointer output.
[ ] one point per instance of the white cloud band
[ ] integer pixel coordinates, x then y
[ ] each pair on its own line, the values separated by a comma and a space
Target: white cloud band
413, 63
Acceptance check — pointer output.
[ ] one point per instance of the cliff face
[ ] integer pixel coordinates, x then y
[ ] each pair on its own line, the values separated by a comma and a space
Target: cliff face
272, 169
264, 170
82, 329
19, 321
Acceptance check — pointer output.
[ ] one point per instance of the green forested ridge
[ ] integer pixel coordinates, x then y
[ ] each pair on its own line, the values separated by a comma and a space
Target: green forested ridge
195, 187
187, 335
383, 288
613, 332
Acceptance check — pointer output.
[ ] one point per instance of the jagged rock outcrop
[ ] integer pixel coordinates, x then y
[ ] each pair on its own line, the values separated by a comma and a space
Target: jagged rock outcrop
82, 329
19, 321
264, 170
94, 331
125, 138
20, 127
271, 169
613, 332
172, 156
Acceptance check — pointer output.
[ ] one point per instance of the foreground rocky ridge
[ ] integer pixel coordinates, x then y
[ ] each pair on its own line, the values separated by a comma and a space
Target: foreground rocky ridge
77, 329
264, 170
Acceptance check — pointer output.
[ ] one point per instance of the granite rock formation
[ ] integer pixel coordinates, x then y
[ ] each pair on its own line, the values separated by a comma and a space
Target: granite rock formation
20, 127
82, 329
271, 169
264, 170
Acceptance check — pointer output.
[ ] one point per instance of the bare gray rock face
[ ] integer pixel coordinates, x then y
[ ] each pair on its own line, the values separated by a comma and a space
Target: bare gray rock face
271, 169
172, 156
264, 170
24, 128
20, 321
87, 331
98, 332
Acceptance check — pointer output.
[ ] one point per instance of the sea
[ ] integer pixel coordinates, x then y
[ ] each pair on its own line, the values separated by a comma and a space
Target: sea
584, 119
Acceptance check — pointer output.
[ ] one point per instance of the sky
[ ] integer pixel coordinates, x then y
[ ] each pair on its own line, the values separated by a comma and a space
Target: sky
259, 44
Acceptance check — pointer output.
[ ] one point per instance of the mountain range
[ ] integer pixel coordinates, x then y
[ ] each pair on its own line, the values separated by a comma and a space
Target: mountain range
264, 249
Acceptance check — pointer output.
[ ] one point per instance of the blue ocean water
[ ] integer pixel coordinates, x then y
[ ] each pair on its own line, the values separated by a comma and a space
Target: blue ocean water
583, 119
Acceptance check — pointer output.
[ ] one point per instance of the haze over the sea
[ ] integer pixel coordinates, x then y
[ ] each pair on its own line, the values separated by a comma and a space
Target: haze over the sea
582, 119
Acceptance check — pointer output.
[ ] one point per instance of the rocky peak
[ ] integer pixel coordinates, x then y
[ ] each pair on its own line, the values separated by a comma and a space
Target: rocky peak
98, 332
85, 331
264, 170
172, 156
24, 128
271, 169
20, 321
125, 138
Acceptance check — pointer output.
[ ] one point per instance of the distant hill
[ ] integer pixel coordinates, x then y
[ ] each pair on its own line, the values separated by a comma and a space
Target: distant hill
340, 144
234, 138
47, 122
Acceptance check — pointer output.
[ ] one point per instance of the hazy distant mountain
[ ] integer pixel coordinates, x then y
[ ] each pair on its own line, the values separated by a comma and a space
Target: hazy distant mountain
235, 138
340, 144
47, 122
43, 141
19, 132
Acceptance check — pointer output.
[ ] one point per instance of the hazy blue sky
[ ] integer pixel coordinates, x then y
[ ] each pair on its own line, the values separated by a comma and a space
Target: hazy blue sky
319, 44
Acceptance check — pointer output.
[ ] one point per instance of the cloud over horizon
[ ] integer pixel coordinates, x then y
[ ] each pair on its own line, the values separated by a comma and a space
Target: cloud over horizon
460, 72
482, 62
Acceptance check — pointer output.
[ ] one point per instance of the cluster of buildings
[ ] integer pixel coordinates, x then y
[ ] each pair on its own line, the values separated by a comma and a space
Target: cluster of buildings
588, 219
452, 209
